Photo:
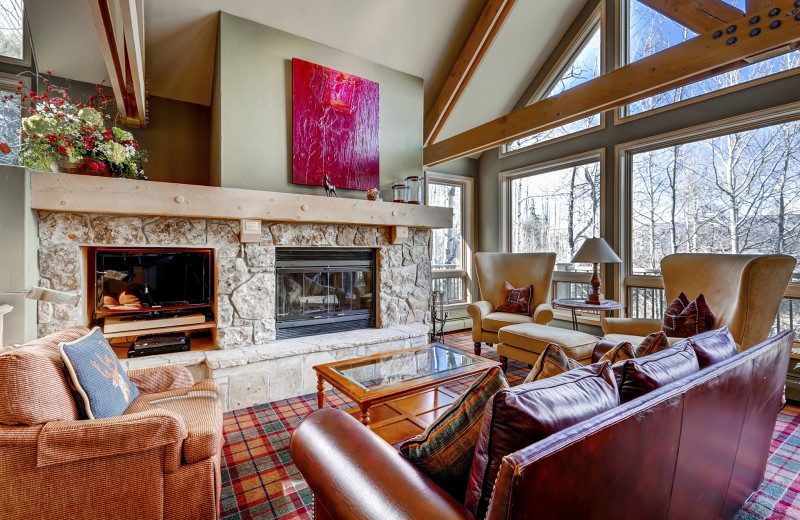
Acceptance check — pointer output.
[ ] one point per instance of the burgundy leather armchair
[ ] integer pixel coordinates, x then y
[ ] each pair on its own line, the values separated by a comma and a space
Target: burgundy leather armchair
696, 448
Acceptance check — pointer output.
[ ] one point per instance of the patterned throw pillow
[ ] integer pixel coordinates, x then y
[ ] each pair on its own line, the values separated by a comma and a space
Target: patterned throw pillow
695, 318
444, 450
517, 301
551, 362
621, 352
100, 386
654, 342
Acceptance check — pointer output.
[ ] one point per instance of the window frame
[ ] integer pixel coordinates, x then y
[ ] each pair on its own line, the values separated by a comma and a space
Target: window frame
25, 61
597, 20
622, 24
624, 153
467, 274
505, 179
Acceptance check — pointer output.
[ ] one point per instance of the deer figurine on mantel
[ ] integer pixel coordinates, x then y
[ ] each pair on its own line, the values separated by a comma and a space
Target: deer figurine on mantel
330, 189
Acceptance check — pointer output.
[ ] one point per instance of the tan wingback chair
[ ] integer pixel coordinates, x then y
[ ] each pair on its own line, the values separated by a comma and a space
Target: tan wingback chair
520, 270
743, 291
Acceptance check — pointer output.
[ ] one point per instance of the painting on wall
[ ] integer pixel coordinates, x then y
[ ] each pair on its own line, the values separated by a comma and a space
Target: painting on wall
334, 127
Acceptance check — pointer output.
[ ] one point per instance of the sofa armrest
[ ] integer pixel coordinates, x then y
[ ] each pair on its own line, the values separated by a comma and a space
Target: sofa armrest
631, 326
543, 313
356, 475
69, 441
153, 380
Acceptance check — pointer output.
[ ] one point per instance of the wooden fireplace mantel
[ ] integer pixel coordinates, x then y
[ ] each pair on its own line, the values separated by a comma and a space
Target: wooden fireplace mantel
87, 194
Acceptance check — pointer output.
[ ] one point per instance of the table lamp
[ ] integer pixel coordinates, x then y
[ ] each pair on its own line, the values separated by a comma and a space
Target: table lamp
595, 251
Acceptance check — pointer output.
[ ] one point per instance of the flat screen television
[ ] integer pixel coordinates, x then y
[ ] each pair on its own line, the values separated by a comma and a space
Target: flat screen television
134, 281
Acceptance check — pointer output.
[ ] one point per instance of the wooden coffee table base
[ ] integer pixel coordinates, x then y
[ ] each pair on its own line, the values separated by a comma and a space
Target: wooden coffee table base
399, 420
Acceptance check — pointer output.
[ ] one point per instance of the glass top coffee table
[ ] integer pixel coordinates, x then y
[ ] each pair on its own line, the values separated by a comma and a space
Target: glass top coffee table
398, 392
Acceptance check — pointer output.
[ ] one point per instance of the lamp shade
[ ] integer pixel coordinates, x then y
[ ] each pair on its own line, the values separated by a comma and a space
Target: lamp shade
595, 250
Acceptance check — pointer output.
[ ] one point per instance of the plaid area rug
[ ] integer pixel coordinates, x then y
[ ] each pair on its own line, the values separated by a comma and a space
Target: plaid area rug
259, 480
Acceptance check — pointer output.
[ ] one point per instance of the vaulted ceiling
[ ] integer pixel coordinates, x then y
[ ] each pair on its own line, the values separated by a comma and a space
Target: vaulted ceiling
419, 37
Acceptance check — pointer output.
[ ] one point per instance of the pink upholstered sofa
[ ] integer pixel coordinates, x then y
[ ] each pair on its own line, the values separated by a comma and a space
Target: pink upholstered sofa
160, 459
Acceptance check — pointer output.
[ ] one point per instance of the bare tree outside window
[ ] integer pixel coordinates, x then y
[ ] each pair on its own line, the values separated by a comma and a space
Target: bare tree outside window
447, 245
584, 67
11, 32
737, 193
556, 211
650, 32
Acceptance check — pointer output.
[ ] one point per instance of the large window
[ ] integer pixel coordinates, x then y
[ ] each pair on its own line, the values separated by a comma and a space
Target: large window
451, 248
650, 32
554, 209
13, 44
736, 193
11, 116
582, 64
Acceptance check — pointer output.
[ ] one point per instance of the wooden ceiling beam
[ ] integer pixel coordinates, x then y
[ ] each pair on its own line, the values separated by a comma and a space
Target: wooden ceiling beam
699, 16
104, 25
489, 23
120, 31
759, 5
689, 61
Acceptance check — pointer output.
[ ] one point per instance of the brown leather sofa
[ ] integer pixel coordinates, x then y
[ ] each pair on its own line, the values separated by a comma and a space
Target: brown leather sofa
520, 270
694, 449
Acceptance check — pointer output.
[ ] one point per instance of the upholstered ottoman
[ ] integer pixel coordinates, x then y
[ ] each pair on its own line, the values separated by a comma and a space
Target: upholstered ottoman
526, 341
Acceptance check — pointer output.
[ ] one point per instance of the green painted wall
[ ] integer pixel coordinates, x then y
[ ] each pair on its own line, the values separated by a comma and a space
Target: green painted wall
252, 117
18, 263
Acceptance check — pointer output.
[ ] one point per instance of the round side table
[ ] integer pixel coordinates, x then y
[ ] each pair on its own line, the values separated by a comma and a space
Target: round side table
579, 304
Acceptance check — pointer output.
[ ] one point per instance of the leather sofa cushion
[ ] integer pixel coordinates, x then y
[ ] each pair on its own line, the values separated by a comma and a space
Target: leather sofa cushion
444, 450
637, 377
713, 346
520, 416
494, 321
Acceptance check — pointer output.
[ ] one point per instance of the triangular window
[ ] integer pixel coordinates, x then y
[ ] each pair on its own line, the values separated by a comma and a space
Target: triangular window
649, 32
582, 63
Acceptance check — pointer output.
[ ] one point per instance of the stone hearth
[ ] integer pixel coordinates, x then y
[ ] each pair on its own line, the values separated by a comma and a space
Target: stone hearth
259, 369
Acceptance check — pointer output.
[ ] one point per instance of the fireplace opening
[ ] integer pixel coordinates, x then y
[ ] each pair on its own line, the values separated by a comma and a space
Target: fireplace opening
323, 290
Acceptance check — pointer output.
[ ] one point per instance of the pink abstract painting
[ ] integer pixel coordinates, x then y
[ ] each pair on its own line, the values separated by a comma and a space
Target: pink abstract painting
335, 127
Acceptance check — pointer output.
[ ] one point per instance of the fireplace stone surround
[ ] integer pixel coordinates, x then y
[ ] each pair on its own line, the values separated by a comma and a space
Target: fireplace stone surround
249, 364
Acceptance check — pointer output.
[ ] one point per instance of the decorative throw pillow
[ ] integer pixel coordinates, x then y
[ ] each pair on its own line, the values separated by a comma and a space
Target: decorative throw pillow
713, 346
677, 305
695, 318
100, 386
520, 416
654, 342
637, 377
515, 300
619, 353
552, 361
444, 450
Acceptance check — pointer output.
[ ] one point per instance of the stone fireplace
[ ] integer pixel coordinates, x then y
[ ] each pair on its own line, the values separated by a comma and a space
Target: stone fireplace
243, 353
248, 361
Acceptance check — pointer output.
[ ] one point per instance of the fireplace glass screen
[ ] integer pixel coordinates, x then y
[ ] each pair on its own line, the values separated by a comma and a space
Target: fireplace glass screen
319, 291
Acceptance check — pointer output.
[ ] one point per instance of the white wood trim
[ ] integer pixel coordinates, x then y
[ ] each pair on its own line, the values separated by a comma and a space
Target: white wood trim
468, 221
87, 194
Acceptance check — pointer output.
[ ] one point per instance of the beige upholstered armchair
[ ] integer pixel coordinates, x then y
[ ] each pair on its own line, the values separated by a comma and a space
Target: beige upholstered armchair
743, 291
520, 270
